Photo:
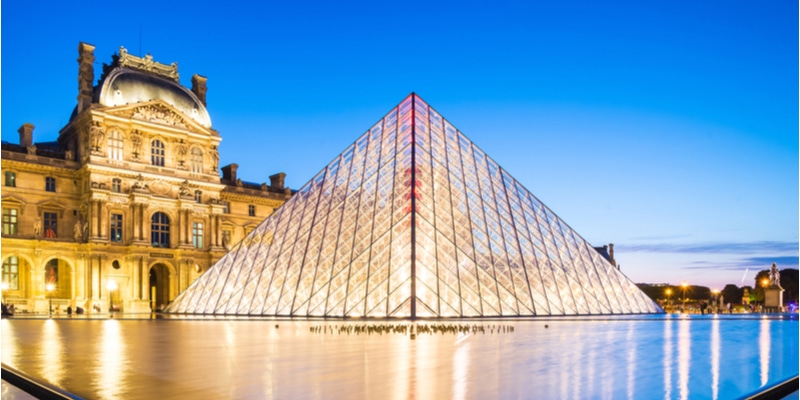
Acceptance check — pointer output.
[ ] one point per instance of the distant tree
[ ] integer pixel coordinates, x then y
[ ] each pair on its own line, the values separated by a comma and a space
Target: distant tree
731, 294
700, 293
654, 292
789, 283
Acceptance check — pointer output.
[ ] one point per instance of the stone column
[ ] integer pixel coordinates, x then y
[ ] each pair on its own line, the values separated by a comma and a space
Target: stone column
80, 278
103, 232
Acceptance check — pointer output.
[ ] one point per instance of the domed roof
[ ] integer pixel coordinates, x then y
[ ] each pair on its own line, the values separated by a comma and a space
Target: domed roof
129, 86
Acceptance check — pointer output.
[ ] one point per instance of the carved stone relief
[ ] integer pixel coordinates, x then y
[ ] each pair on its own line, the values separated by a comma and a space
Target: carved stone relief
158, 114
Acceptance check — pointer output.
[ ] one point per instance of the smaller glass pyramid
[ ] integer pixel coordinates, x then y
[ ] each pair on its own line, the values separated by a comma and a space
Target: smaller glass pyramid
413, 220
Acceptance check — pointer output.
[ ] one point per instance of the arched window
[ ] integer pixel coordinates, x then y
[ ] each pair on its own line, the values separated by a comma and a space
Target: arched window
115, 145
159, 230
197, 160
11, 273
157, 153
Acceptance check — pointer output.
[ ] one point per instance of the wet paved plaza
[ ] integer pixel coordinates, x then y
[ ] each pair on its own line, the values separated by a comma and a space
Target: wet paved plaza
658, 357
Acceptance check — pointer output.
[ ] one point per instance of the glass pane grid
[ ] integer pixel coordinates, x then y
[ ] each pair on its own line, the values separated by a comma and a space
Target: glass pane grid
485, 246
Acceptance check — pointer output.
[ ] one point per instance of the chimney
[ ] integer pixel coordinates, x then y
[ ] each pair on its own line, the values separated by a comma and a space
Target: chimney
199, 87
229, 172
611, 255
26, 135
85, 75
276, 181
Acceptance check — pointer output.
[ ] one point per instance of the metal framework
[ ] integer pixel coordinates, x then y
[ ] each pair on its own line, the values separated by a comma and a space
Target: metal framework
413, 220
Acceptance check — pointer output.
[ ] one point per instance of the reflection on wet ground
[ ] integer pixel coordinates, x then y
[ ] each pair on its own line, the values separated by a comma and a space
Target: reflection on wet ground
716, 357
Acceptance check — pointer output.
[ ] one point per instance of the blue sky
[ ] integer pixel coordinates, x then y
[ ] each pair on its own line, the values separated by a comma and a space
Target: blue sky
669, 128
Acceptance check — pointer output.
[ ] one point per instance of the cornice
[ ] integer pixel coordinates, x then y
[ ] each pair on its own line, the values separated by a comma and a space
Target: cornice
11, 160
246, 198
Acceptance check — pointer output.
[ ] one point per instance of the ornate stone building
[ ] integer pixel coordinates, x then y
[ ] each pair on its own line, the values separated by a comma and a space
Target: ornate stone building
127, 207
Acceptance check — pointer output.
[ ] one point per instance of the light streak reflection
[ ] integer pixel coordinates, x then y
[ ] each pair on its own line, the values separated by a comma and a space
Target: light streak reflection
684, 356
461, 366
715, 352
52, 352
111, 360
667, 359
631, 364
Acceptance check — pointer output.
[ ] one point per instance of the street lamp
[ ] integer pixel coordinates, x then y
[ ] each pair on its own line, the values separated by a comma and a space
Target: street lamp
684, 285
111, 286
50, 287
669, 293
716, 299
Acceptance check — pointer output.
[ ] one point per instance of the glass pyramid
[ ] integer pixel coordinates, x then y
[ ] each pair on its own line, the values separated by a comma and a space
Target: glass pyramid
413, 220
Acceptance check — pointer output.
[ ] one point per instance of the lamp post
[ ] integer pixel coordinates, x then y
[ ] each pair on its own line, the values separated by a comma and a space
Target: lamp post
111, 286
765, 283
716, 299
50, 287
683, 286
669, 294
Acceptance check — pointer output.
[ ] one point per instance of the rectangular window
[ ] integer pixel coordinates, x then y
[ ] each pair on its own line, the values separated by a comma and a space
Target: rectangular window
227, 207
198, 196
115, 145
116, 185
50, 184
251, 210
157, 153
11, 179
50, 225
9, 221
11, 273
197, 235
116, 228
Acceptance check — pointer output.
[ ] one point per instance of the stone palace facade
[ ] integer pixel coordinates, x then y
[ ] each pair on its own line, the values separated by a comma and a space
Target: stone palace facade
127, 207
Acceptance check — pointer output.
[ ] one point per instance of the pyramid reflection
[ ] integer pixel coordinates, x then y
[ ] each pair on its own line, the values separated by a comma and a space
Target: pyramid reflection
413, 220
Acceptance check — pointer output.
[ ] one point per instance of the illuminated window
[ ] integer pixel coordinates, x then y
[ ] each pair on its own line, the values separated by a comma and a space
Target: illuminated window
115, 145
197, 160
11, 273
159, 230
50, 225
50, 184
11, 179
10, 221
116, 185
198, 196
116, 228
157, 153
197, 235
251, 210
51, 272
